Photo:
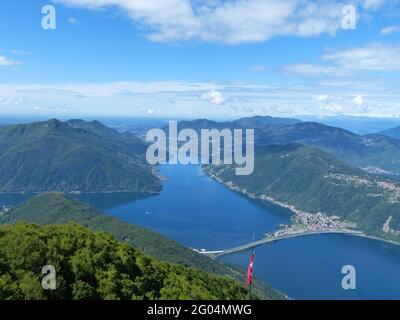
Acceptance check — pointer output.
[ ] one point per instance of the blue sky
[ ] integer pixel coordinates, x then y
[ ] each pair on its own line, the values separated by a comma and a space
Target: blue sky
192, 58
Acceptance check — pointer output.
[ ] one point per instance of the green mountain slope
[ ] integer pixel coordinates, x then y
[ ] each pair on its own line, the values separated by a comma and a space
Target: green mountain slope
54, 156
125, 138
375, 152
392, 132
371, 150
255, 122
92, 265
263, 121
315, 181
56, 208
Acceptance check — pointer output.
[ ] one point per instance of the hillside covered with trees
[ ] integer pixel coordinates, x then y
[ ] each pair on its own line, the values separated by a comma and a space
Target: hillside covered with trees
92, 265
57, 208
72, 156
315, 181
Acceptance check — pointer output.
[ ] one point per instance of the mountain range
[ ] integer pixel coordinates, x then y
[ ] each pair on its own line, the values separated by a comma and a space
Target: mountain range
375, 153
313, 181
73, 156
311, 166
255, 122
392, 132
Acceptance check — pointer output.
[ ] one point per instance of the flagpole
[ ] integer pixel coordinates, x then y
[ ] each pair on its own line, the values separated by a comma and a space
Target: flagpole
249, 297
251, 283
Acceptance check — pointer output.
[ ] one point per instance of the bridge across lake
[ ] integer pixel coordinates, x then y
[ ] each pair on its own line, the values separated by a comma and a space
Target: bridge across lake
269, 239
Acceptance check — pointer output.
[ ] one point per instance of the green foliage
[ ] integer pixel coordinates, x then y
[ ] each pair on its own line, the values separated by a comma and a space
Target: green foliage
72, 156
56, 208
93, 265
392, 132
303, 177
356, 150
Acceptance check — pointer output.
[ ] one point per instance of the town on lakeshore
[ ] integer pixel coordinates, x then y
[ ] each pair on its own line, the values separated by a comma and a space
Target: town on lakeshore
302, 221
4, 209
308, 222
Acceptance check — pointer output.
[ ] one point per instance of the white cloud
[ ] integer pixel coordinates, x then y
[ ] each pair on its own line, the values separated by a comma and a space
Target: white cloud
72, 20
373, 4
259, 68
7, 62
312, 70
358, 100
21, 52
372, 57
389, 30
11, 101
321, 97
180, 99
347, 104
229, 21
215, 97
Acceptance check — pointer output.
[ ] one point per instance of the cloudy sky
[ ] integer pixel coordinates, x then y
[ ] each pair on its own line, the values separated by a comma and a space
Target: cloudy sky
200, 58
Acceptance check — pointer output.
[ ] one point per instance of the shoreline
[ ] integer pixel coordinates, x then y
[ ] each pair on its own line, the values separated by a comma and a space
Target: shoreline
231, 186
78, 192
377, 239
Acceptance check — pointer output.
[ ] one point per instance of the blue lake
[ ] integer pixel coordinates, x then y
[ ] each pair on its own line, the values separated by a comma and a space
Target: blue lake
198, 212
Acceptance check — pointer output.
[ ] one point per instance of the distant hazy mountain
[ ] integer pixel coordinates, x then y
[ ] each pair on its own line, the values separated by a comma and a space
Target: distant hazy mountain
359, 125
371, 150
262, 121
56, 208
393, 132
375, 152
313, 180
242, 123
72, 156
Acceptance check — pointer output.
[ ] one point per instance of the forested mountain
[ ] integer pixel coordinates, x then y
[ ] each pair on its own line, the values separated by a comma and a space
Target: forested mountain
242, 123
56, 208
96, 127
72, 156
314, 181
393, 132
92, 265
262, 121
373, 152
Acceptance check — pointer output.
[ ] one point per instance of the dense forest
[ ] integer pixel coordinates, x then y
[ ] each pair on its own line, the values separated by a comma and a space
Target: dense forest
72, 156
57, 208
92, 265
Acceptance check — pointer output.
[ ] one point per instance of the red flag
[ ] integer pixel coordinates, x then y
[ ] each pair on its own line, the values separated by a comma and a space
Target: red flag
250, 271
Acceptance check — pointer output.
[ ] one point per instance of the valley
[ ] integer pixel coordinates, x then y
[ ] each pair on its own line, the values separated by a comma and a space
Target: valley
295, 189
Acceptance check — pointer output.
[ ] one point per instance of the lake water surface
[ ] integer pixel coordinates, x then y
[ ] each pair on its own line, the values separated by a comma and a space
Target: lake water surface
198, 212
